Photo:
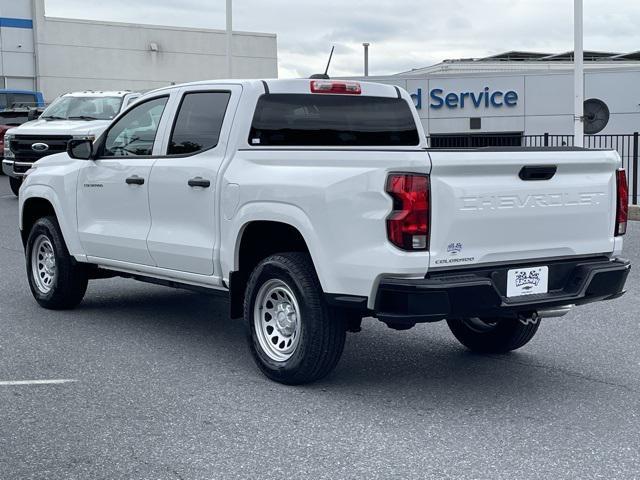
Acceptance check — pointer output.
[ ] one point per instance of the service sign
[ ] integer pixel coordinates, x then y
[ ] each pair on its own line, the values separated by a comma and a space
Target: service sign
468, 97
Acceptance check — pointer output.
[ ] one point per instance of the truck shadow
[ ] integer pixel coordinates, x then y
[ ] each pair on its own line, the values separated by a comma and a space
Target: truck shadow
424, 366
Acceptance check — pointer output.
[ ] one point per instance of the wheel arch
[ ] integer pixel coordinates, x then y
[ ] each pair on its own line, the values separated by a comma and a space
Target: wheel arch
33, 209
256, 240
39, 200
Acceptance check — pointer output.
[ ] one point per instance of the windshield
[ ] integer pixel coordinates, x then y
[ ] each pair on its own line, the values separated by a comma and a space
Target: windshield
83, 108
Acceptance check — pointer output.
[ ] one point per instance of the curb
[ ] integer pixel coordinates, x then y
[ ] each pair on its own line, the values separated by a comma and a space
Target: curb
634, 212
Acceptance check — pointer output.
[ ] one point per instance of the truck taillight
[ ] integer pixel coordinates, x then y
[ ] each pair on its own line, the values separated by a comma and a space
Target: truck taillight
408, 224
336, 87
622, 203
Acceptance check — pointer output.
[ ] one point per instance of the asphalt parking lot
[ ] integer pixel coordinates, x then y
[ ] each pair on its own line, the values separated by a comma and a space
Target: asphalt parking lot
164, 388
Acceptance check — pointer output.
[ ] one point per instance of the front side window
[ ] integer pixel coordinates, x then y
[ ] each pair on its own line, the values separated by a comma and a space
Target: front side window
135, 132
83, 108
332, 120
198, 123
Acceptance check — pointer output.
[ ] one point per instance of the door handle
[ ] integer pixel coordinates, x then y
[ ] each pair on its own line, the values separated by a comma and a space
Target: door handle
537, 172
135, 180
199, 182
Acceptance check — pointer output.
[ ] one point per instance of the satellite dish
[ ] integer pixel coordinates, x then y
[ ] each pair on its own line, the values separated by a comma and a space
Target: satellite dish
596, 116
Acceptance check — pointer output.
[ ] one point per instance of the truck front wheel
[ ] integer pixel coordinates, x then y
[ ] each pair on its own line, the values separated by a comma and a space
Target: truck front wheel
294, 336
57, 281
492, 335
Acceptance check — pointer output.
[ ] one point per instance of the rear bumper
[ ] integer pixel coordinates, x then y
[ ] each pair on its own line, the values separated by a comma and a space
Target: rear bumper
482, 292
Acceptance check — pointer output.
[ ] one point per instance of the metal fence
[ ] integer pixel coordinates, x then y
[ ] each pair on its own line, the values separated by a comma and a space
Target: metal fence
625, 144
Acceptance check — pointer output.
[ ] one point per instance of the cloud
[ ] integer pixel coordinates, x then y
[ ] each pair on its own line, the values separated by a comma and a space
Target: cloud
404, 34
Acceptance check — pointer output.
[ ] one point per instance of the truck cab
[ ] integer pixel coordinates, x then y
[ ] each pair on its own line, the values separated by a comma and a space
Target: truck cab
74, 115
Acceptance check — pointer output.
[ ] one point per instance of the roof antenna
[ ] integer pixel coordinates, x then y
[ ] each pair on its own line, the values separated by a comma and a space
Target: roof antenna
324, 76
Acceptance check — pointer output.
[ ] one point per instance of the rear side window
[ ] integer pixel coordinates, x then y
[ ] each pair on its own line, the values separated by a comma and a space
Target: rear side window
198, 123
332, 120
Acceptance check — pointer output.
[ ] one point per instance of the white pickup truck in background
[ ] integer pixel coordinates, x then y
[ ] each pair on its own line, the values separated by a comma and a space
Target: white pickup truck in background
315, 203
76, 115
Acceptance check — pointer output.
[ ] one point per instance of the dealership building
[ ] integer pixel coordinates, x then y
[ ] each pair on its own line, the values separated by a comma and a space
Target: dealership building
527, 99
58, 55
500, 99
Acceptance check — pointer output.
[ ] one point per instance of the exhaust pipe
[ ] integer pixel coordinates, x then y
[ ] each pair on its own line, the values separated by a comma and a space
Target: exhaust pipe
546, 313
554, 312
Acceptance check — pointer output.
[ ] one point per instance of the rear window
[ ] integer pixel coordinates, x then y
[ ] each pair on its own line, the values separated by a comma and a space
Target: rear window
22, 100
332, 120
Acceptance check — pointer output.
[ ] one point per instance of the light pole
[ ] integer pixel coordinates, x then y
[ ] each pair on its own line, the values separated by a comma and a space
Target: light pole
229, 38
366, 58
578, 75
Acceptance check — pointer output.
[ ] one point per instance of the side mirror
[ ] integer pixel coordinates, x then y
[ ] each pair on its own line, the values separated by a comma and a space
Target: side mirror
80, 149
33, 114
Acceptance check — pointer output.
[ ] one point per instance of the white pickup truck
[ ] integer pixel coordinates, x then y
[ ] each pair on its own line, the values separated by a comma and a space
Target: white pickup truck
314, 203
76, 115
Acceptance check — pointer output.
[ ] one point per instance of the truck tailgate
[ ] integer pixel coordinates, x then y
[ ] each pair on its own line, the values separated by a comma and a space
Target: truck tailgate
493, 206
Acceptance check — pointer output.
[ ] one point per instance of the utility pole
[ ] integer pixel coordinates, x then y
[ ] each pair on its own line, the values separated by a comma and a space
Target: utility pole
578, 74
366, 59
229, 38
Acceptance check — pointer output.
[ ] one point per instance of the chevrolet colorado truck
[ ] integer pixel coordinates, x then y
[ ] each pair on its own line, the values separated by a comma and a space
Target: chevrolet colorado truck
312, 204
76, 115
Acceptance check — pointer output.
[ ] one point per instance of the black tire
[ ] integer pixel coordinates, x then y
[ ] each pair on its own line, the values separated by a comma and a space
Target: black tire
496, 335
15, 183
322, 329
69, 283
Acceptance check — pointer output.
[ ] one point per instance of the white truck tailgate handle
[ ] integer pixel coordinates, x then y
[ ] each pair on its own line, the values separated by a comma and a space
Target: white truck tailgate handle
537, 172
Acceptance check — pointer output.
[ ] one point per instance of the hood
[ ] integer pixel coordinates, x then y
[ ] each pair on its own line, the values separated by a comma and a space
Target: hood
61, 127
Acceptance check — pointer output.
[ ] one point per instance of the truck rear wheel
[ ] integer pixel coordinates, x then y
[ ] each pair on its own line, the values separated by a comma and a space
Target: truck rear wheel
56, 280
294, 336
15, 183
492, 335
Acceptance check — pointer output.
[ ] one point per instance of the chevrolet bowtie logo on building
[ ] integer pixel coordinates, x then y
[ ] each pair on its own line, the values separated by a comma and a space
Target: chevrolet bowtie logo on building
527, 281
39, 147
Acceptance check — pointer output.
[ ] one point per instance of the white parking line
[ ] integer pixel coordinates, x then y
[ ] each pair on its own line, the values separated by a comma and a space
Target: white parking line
36, 382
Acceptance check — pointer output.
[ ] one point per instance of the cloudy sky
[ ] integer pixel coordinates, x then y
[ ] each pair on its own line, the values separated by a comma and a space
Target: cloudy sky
404, 34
